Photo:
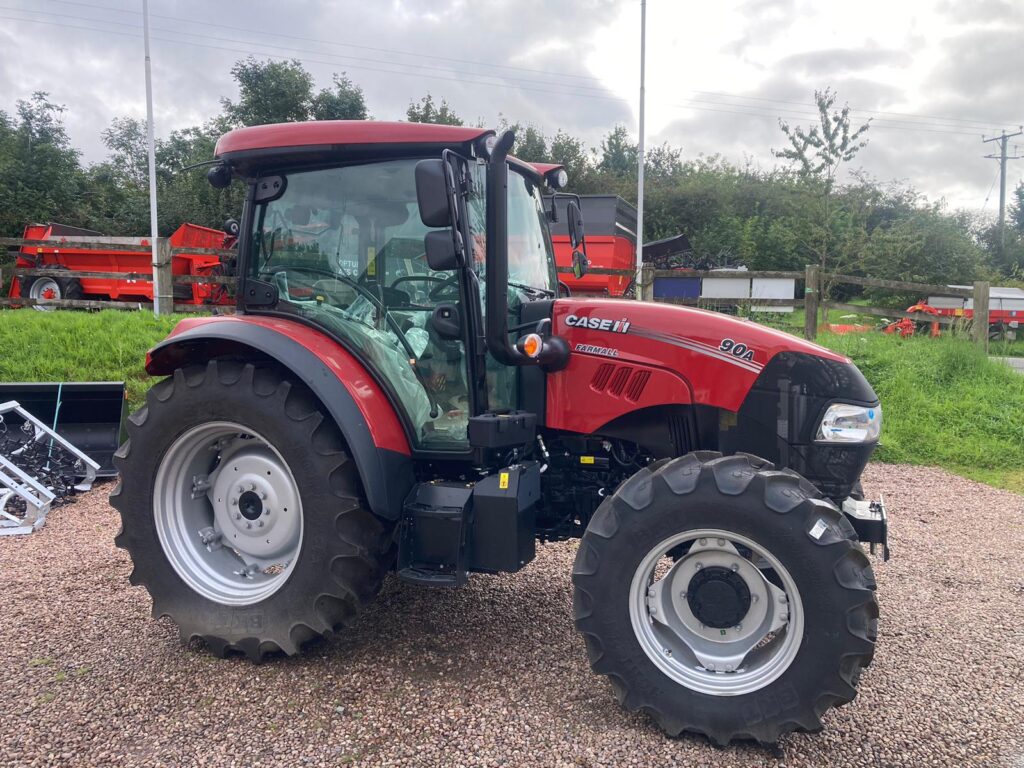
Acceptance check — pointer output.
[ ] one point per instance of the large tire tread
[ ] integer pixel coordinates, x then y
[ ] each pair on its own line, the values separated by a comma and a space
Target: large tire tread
783, 493
359, 552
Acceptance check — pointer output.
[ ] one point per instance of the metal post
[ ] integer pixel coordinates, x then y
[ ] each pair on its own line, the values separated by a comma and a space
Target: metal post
646, 292
1002, 158
982, 289
159, 290
163, 285
640, 151
812, 291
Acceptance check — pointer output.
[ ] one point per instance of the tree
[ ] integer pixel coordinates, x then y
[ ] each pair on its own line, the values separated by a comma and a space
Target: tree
572, 153
428, 112
344, 102
40, 178
925, 247
1017, 209
270, 92
127, 143
619, 153
820, 151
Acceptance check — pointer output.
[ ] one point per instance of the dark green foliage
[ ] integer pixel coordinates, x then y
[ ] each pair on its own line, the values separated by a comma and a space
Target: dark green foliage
343, 102
270, 92
39, 168
426, 111
766, 219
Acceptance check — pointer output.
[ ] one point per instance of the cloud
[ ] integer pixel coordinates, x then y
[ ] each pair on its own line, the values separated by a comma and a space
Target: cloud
571, 66
832, 61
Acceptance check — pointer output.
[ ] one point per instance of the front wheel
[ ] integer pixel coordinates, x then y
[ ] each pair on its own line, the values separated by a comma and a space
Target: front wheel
726, 598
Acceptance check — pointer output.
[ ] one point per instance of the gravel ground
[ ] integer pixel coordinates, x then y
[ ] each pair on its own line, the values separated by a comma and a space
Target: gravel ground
494, 674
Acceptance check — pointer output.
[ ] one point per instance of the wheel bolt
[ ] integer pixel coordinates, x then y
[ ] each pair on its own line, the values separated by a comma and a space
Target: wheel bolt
738, 627
234, 502
248, 525
754, 598
699, 565
721, 542
252, 486
263, 496
735, 567
702, 542
782, 599
261, 523
238, 516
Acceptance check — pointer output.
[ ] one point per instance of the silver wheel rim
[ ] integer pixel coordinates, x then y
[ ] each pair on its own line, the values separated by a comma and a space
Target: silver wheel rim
721, 661
39, 287
228, 513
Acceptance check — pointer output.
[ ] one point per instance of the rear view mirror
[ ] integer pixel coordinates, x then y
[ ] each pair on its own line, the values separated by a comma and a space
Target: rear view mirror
439, 247
574, 218
580, 264
432, 193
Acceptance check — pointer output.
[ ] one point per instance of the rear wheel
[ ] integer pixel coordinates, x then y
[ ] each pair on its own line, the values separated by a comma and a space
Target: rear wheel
51, 289
242, 512
725, 598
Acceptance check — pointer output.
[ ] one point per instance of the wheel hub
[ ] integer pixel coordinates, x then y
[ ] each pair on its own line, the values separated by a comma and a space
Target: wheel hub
250, 505
228, 513
710, 618
254, 500
718, 597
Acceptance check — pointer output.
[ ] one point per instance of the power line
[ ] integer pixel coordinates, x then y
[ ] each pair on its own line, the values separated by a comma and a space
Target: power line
335, 43
573, 91
975, 123
914, 119
418, 66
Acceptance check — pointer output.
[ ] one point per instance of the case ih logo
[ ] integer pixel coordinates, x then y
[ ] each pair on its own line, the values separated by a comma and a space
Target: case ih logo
598, 324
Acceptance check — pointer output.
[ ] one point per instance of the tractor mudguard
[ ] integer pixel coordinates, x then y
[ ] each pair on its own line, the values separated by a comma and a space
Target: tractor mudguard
352, 397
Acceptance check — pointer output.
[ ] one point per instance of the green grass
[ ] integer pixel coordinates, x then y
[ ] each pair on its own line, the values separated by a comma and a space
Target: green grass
80, 346
945, 404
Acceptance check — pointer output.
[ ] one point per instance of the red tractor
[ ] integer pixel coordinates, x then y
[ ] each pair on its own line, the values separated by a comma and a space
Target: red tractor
405, 390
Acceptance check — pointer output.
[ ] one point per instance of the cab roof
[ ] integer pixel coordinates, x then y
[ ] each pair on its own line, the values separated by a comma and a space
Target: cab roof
323, 137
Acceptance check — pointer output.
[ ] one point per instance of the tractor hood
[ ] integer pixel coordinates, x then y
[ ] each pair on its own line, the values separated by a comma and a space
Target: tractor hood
643, 354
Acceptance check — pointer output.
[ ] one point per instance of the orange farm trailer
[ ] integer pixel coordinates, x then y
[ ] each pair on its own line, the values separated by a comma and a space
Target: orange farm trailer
611, 243
90, 256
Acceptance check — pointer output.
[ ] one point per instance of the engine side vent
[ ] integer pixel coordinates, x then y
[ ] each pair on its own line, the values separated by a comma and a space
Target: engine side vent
637, 384
601, 376
618, 382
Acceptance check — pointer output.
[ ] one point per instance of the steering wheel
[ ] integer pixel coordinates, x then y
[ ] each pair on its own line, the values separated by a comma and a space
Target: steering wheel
434, 294
363, 291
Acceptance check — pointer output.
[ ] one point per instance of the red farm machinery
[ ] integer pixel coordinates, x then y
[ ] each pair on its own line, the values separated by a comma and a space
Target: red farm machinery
403, 389
80, 250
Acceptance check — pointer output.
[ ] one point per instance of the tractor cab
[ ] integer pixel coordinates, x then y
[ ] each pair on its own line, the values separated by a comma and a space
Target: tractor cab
386, 250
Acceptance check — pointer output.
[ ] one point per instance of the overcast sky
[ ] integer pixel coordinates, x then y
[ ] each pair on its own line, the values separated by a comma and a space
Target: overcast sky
934, 74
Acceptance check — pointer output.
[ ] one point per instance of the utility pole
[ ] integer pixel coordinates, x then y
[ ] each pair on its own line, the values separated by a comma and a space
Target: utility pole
640, 157
159, 289
1002, 158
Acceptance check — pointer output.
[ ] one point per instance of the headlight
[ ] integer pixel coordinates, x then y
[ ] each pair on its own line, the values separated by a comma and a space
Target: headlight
846, 423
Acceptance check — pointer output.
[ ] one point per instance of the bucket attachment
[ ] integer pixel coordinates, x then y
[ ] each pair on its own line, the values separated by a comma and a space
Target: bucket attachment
90, 415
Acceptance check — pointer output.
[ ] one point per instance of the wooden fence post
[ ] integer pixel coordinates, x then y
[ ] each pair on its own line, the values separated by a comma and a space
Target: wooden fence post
812, 292
163, 285
646, 283
982, 289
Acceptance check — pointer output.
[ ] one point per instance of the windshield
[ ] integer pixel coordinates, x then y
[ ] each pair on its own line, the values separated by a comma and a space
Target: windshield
531, 262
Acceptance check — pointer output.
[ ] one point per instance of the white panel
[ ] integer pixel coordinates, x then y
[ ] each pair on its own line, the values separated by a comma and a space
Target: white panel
725, 288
